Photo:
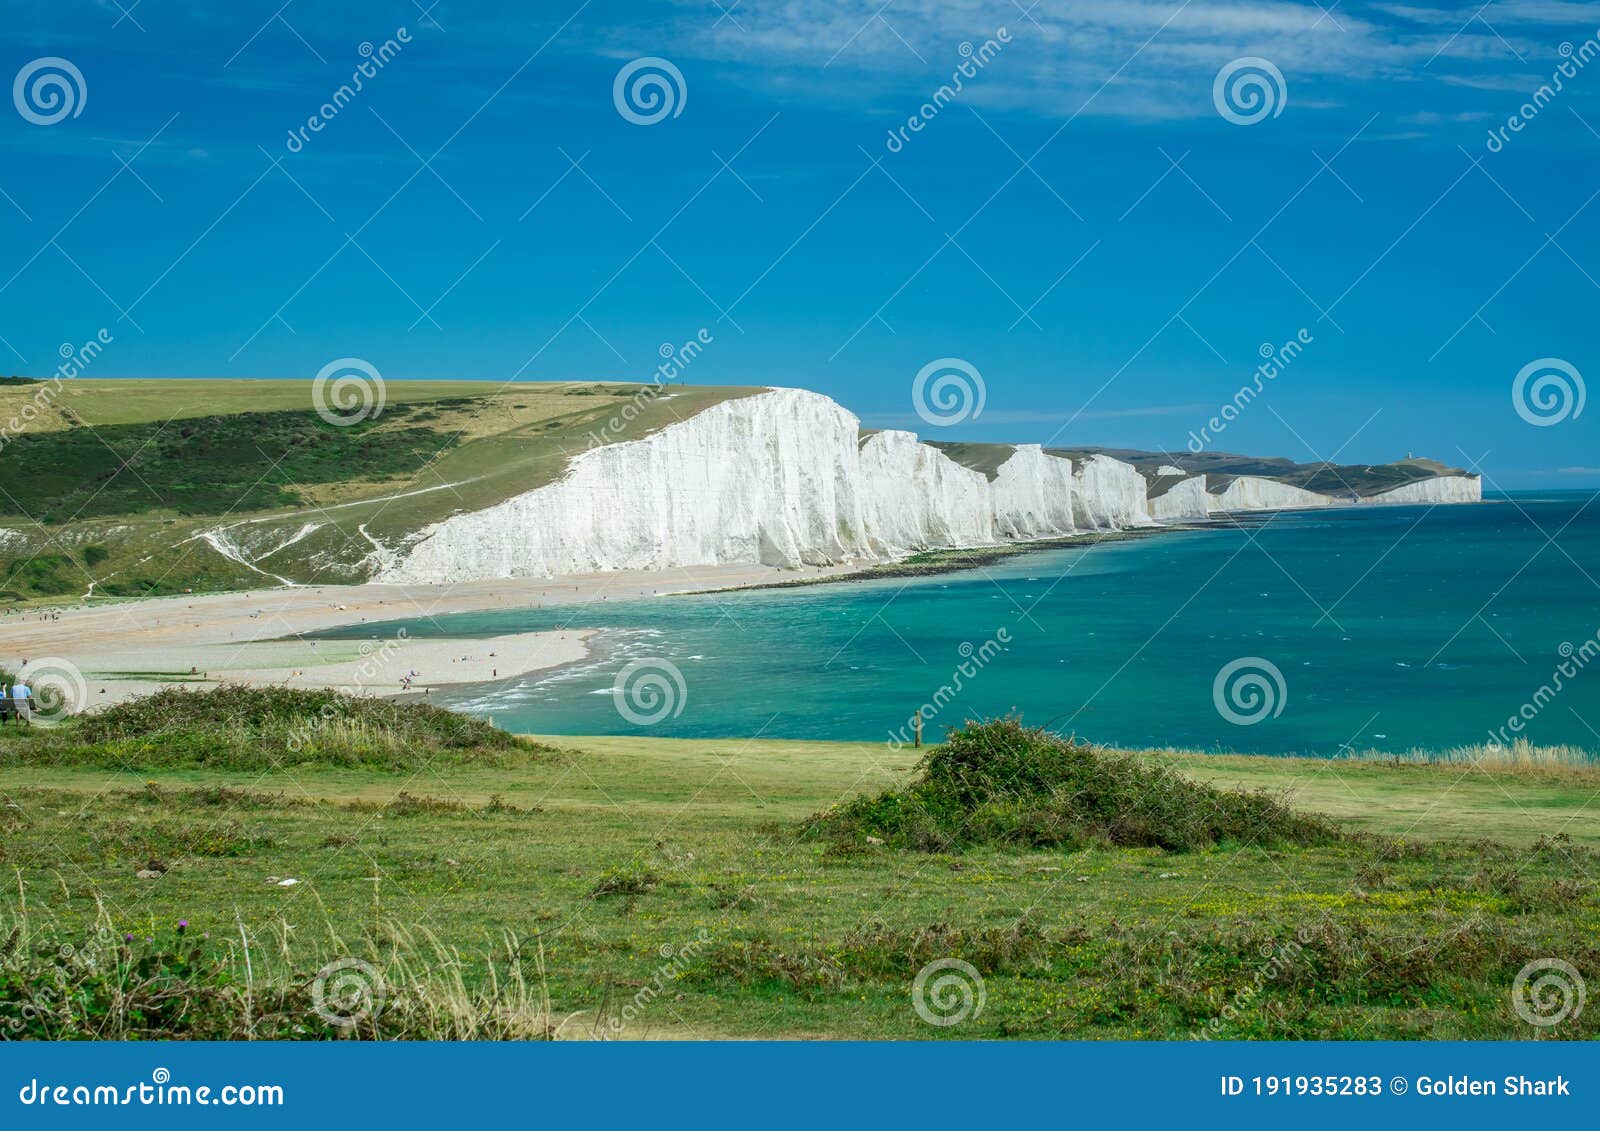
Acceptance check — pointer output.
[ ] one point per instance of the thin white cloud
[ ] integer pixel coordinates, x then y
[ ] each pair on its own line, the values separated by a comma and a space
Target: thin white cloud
1504, 12
1158, 55
1434, 118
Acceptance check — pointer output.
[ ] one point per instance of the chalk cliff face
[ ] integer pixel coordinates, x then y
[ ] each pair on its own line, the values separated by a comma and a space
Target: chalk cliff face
783, 478
1182, 501
771, 478
1443, 489
779, 478
1251, 493
1032, 495
1107, 494
913, 497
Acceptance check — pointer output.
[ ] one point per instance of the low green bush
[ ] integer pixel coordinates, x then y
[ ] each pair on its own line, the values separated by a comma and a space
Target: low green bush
254, 728
998, 782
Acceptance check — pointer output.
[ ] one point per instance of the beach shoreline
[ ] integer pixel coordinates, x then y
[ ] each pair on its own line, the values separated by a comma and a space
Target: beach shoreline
955, 559
261, 637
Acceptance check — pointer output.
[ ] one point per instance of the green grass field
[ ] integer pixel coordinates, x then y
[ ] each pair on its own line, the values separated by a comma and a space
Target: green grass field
666, 888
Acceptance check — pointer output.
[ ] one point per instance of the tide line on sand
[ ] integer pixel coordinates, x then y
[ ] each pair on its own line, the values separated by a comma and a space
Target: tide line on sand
124, 649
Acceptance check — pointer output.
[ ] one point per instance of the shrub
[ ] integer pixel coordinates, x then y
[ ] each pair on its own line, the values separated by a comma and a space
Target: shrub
630, 880
252, 728
999, 782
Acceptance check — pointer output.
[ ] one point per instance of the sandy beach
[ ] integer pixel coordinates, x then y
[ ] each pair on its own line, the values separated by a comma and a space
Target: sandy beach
132, 647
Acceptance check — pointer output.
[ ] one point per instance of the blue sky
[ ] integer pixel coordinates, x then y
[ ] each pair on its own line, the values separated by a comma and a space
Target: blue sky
1080, 223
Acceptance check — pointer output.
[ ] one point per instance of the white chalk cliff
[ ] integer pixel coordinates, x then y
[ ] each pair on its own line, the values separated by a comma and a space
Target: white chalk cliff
780, 478
1032, 495
1440, 489
1182, 501
909, 496
784, 478
1253, 493
771, 478
1107, 494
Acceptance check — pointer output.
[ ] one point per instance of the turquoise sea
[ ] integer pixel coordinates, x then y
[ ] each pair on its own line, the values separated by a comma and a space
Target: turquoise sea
1385, 628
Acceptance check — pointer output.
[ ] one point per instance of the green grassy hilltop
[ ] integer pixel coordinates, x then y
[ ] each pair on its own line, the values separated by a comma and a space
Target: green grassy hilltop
114, 482
694, 888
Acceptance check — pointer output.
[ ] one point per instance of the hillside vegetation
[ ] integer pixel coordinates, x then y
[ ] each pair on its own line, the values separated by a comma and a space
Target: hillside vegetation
1005, 784
258, 728
628, 887
131, 488
985, 458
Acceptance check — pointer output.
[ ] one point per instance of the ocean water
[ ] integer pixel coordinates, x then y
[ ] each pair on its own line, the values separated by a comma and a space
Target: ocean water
1387, 628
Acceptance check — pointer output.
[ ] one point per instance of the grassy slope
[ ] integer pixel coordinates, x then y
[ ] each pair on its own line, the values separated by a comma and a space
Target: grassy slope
695, 835
106, 402
121, 475
1158, 485
986, 458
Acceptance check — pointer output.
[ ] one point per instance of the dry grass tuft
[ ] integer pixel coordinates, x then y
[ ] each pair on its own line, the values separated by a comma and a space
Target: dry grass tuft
57, 983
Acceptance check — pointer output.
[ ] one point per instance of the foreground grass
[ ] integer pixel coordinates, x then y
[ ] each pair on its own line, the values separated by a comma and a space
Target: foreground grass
664, 888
